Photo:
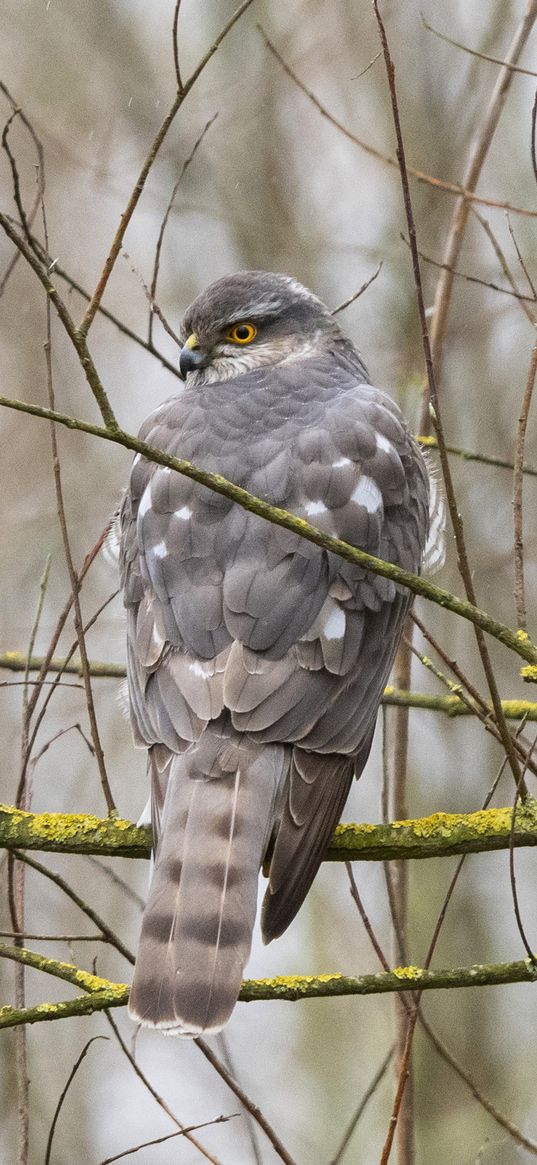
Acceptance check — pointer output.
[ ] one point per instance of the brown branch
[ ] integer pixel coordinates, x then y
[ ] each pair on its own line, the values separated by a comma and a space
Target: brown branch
357, 294
154, 279
64, 1092
73, 576
175, 45
504, 264
368, 1094
477, 155
245, 1100
434, 405
132, 203
524, 299
108, 934
77, 339
474, 52
168, 1137
156, 1096
455, 517
419, 175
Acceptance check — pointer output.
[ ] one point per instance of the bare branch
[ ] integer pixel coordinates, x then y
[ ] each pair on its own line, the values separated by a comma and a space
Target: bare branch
477, 155
357, 294
518, 546
152, 1091
474, 52
419, 175
64, 1092
132, 203
154, 279
518, 642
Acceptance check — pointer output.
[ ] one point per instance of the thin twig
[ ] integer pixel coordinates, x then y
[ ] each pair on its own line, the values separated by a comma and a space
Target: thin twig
252, 1130
518, 541
368, 1094
521, 259
245, 1100
108, 934
64, 1092
500, 1119
474, 52
477, 155
154, 308
168, 1137
456, 519
476, 279
503, 262
402, 675
473, 455
77, 339
73, 576
357, 294
472, 702
16, 898
355, 895
152, 294
428, 179
132, 203
512, 878
156, 1096
175, 45
29, 218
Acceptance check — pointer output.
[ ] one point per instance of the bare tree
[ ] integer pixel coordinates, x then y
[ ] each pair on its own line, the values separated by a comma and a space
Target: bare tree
390, 162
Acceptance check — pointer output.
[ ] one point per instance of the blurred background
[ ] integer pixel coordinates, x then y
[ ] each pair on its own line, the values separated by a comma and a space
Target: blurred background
274, 185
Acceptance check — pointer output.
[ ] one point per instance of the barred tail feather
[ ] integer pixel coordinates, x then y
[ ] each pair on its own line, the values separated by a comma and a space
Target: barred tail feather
197, 927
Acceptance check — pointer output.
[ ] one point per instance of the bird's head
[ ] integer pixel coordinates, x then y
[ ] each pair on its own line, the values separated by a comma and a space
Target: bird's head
248, 320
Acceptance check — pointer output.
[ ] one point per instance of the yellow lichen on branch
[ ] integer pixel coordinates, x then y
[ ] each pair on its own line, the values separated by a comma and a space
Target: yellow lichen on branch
439, 835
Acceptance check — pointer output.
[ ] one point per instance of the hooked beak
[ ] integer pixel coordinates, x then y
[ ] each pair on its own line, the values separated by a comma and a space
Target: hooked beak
191, 356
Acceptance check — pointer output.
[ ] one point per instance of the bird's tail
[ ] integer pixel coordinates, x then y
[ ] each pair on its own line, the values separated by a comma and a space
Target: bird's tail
214, 822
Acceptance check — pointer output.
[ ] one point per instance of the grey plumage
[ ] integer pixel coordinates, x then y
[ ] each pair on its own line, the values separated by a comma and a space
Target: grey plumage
257, 661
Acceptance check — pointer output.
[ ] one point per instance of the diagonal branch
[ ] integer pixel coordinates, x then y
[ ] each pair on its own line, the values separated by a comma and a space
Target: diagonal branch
517, 641
142, 177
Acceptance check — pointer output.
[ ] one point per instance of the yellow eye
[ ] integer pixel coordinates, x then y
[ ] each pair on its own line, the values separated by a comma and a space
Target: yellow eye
241, 333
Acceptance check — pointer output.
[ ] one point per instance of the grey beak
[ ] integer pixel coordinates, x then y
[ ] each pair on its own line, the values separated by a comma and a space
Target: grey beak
190, 359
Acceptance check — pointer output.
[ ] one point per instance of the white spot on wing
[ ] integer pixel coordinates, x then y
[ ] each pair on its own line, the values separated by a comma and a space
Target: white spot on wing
145, 501
156, 637
383, 443
160, 550
342, 461
199, 669
335, 625
313, 508
367, 494
184, 513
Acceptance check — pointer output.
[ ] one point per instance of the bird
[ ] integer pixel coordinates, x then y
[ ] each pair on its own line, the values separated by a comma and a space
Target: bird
256, 660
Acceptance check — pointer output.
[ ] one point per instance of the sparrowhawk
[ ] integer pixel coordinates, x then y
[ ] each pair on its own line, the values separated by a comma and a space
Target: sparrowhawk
256, 660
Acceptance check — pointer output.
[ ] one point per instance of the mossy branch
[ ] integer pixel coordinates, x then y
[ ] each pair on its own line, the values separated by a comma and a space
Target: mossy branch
517, 641
18, 661
440, 835
103, 994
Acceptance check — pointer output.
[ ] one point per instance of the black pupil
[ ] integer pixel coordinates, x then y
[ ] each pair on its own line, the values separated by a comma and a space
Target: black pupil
243, 332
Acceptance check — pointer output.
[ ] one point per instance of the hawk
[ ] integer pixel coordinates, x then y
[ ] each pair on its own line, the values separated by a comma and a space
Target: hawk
256, 660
